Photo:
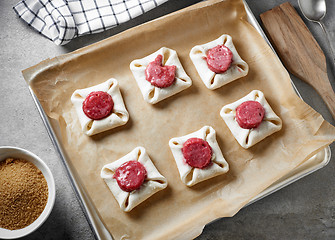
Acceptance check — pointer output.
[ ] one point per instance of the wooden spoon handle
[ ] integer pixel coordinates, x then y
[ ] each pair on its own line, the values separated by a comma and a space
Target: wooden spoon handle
330, 102
298, 50
326, 92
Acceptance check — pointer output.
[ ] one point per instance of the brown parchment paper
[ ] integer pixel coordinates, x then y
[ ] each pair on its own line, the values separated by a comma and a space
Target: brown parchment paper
178, 212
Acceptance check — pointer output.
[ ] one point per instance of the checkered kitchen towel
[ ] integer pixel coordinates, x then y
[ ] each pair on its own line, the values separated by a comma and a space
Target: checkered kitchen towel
63, 20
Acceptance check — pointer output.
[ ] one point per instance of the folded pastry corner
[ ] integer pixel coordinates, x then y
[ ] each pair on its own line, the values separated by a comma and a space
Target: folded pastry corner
263, 127
133, 178
160, 75
218, 62
100, 108
198, 156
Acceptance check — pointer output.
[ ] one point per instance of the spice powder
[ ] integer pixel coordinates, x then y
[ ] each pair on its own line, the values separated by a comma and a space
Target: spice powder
23, 193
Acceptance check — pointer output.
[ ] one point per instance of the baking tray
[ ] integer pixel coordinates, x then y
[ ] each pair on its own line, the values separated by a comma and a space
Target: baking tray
316, 162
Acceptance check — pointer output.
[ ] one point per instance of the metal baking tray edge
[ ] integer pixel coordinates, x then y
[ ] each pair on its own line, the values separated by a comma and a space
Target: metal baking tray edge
317, 162
320, 159
94, 221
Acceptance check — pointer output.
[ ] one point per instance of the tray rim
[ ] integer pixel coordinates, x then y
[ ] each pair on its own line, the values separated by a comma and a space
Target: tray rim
93, 219
97, 226
253, 21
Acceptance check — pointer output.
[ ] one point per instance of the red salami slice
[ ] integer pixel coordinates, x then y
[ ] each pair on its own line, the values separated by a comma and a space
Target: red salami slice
197, 153
250, 114
98, 105
219, 58
158, 75
130, 175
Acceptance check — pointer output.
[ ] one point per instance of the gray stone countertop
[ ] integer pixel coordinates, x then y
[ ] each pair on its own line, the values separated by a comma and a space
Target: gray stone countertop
302, 210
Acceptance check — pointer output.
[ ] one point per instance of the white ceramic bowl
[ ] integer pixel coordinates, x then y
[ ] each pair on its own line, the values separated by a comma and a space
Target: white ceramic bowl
15, 152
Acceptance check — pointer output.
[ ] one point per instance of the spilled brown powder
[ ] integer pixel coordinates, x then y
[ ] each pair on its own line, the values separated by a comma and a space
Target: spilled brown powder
23, 193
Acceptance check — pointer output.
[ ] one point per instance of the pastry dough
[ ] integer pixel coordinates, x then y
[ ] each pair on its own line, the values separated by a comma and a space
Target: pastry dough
190, 175
212, 80
153, 183
118, 117
248, 137
153, 94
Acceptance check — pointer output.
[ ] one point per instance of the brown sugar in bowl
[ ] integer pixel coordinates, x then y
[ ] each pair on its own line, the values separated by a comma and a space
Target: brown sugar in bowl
40, 189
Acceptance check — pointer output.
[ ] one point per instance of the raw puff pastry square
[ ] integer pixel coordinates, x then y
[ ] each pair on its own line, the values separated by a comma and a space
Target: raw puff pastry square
153, 94
190, 175
118, 117
212, 80
248, 137
153, 183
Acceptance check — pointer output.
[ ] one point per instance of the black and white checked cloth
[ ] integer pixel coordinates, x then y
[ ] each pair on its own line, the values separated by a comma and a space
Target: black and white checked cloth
63, 20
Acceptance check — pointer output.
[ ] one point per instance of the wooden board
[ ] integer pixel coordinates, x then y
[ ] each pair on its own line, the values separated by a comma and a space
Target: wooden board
298, 50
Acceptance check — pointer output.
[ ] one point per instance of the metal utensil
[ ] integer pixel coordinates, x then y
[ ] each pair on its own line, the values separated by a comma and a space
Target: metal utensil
315, 11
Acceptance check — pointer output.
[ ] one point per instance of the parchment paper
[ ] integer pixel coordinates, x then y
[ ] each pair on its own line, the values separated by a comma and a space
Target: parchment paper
178, 212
